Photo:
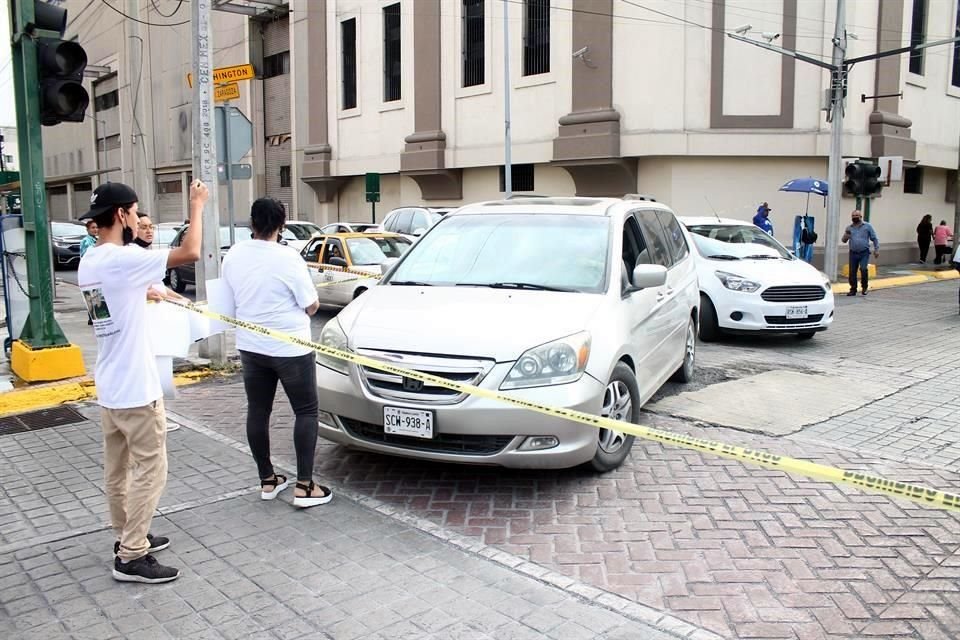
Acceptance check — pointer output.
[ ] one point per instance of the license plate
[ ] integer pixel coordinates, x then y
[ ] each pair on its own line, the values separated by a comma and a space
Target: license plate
797, 312
408, 422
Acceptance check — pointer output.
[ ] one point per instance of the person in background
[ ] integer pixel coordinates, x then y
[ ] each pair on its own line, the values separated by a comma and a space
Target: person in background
91, 238
144, 231
860, 234
924, 236
762, 219
942, 235
271, 286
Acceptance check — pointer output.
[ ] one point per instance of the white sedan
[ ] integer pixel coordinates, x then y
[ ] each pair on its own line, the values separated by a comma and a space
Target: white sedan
750, 283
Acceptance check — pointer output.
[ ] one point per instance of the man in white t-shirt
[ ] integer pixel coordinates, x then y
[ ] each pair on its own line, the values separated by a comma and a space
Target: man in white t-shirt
114, 277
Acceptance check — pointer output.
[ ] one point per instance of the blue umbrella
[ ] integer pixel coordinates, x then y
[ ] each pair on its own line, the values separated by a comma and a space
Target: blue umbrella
807, 186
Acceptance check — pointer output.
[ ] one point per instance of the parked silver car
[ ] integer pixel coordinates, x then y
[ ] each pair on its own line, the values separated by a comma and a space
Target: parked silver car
584, 303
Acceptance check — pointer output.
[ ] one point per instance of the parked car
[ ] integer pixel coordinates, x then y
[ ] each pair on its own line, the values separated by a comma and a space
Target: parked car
413, 222
296, 233
371, 253
349, 227
164, 233
751, 283
585, 303
65, 240
179, 278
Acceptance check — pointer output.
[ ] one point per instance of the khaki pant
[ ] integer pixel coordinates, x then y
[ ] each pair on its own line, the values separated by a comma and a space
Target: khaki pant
135, 472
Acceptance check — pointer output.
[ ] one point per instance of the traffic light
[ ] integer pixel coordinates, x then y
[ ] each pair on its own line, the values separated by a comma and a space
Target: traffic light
60, 65
871, 180
855, 177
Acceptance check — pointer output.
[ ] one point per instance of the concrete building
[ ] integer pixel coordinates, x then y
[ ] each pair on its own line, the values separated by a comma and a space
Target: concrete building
608, 97
9, 156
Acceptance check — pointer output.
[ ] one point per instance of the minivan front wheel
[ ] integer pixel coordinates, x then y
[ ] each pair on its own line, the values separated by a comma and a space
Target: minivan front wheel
176, 282
619, 403
685, 373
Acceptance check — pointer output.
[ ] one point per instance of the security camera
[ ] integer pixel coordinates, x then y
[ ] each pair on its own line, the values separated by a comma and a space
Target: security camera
743, 29
769, 36
579, 53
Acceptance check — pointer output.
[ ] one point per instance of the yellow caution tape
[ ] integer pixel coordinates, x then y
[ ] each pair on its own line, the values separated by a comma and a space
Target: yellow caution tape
916, 493
333, 282
333, 267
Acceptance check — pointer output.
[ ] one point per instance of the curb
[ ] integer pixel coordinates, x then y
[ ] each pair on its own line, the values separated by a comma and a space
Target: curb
918, 277
78, 389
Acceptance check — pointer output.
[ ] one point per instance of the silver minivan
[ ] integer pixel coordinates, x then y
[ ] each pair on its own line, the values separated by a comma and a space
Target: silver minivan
585, 303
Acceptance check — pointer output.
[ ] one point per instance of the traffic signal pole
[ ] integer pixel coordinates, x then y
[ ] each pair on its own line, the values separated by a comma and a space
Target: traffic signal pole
42, 352
838, 81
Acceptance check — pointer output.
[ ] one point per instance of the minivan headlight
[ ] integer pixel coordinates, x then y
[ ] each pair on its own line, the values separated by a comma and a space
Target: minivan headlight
333, 336
557, 362
737, 283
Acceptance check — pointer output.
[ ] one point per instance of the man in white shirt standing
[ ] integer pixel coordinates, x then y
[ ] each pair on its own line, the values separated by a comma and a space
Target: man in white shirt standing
114, 277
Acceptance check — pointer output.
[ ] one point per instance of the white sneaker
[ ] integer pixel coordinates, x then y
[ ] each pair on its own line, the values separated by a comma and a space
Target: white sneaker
172, 426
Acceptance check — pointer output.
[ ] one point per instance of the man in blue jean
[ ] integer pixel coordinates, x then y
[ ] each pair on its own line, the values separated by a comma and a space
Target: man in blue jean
860, 234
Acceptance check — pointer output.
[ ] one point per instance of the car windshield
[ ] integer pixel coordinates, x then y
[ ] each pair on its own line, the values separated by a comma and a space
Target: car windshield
165, 235
300, 231
61, 229
737, 242
376, 250
239, 233
535, 251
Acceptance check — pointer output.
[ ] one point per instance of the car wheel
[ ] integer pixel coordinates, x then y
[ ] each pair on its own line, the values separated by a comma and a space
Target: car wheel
619, 403
709, 329
685, 372
176, 282
358, 293
806, 335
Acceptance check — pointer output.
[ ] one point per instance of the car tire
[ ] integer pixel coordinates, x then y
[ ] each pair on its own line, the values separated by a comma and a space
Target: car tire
176, 282
621, 402
685, 373
806, 335
709, 328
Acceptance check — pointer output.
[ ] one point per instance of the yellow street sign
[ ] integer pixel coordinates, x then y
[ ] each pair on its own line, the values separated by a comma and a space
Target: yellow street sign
224, 75
225, 92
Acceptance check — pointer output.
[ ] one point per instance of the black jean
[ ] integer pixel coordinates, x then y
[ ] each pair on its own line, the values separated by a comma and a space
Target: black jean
861, 262
924, 244
298, 375
942, 251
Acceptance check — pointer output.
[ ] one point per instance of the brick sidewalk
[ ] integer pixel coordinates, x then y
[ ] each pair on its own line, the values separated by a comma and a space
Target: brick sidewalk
260, 570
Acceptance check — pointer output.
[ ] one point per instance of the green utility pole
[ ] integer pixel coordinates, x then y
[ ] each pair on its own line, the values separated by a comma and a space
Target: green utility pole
41, 329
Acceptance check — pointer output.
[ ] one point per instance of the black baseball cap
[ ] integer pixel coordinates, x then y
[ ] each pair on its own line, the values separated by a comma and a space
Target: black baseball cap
108, 196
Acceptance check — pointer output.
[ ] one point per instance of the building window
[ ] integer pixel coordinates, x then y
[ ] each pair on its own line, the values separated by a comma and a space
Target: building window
918, 34
165, 187
107, 101
521, 177
348, 58
285, 180
473, 43
536, 37
276, 65
955, 79
391, 53
913, 179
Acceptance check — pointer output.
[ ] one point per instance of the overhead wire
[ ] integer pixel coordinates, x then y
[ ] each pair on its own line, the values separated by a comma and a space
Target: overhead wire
145, 22
156, 7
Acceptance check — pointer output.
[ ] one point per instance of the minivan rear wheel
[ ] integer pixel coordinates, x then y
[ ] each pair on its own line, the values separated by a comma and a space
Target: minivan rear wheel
620, 402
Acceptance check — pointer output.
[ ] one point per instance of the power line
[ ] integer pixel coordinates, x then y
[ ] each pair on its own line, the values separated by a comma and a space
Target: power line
144, 22
156, 7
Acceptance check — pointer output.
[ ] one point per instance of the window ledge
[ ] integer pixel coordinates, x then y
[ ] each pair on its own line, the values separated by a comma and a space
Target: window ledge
346, 114
916, 80
395, 105
952, 91
476, 90
534, 81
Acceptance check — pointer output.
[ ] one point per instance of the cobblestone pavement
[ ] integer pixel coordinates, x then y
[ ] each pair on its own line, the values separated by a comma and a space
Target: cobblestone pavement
262, 570
743, 552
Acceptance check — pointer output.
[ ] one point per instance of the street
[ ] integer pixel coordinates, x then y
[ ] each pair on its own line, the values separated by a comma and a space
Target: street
674, 542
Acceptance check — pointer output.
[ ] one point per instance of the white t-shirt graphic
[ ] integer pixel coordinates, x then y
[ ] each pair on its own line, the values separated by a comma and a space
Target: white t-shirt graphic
114, 282
271, 286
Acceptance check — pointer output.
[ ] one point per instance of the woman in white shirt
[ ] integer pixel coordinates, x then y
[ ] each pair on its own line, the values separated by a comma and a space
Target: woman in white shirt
271, 287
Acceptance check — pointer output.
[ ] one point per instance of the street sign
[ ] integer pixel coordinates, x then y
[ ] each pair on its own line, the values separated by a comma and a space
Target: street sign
240, 130
891, 169
373, 187
237, 172
224, 75
224, 92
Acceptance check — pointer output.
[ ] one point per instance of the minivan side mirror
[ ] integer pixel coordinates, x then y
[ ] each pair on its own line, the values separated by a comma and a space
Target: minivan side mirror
646, 276
419, 231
